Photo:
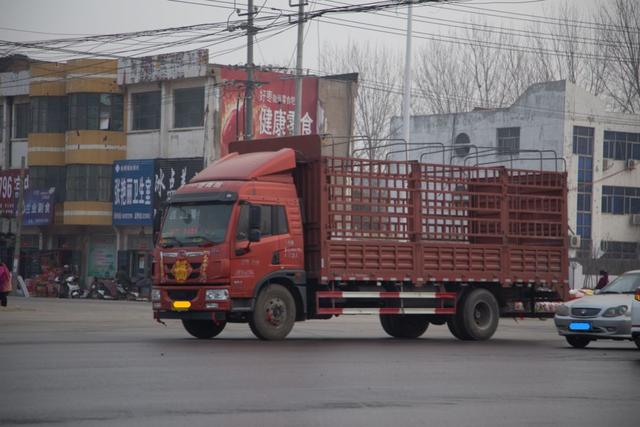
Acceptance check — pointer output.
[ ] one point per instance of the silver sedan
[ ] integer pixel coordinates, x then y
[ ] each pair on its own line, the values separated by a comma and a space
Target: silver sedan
606, 315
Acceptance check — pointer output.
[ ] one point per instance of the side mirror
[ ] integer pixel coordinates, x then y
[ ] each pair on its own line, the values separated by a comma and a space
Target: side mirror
255, 217
596, 291
254, 235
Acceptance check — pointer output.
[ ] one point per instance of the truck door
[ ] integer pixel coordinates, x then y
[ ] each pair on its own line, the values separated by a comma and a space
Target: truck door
252, 261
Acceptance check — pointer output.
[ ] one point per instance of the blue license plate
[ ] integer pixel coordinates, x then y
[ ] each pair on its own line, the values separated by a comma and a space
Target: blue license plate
579, 326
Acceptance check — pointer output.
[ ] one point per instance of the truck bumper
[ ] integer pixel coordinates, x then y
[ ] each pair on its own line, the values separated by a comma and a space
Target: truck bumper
191, 315
182, 302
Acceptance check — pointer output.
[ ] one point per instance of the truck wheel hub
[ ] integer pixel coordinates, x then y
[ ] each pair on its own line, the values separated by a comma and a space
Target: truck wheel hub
276, 311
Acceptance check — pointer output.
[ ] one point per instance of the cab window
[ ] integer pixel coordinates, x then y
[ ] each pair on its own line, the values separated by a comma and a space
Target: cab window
273, 221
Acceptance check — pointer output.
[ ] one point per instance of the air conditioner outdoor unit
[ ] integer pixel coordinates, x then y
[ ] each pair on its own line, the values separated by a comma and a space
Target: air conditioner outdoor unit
630, 164
635, 219
574, 241
607, 164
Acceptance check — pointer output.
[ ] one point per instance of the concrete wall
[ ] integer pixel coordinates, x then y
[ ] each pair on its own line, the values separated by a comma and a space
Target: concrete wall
168, 142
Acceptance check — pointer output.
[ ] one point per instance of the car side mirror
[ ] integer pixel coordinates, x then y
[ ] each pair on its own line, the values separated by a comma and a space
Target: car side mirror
254, 235
596, 291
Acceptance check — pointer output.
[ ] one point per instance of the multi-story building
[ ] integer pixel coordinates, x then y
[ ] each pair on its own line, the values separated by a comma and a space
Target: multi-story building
555, 125
116, 138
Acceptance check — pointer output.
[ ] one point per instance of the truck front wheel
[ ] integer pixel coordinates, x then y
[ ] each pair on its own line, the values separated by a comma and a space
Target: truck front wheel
274, 313
203, 329
404, 326
478, 316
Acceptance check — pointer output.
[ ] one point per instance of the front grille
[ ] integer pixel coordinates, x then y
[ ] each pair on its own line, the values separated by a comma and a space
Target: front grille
195, 266
182, 295
584, 312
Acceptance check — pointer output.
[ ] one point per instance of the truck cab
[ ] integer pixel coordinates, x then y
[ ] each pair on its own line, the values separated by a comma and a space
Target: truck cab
232, 232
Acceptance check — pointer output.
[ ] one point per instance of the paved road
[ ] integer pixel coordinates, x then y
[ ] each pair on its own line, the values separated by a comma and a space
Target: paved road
106, 363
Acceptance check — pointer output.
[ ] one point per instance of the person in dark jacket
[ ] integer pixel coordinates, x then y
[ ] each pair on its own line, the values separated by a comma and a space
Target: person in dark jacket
604, 280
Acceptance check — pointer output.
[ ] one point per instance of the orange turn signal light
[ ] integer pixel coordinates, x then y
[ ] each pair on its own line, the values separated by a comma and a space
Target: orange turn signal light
181, 305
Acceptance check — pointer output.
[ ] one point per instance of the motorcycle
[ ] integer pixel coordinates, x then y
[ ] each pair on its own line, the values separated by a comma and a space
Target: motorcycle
123, 292
98, 290
68, 287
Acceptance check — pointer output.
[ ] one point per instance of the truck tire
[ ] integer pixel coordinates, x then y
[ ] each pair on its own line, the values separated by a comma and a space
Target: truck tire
203, 329
577, 341
274, 313
403, 325
478, 315
456, 329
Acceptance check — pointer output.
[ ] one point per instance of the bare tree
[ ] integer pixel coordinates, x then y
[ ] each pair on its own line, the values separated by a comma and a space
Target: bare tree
621, 32
379, 91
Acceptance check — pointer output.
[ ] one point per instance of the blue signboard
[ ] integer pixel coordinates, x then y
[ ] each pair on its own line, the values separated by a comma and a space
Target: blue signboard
133, 185
38, 207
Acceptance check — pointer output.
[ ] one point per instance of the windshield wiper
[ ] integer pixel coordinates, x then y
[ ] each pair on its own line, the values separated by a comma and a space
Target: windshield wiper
608, 292
165, 238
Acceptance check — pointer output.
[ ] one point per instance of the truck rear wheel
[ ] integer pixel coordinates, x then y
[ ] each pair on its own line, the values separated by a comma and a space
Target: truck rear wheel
478, 316
203, 329
454, 325
403, 325
274, 313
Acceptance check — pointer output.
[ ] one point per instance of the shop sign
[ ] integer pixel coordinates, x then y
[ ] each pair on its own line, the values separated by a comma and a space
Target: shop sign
38, 207
10, 191
273, 105
171, 174
133, 187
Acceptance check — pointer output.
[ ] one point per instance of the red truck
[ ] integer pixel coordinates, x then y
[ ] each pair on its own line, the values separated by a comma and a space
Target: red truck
276, 232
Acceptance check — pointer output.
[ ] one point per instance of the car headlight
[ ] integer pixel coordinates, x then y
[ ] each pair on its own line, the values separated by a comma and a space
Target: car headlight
615, 311
217, 295
155, 295
562, 310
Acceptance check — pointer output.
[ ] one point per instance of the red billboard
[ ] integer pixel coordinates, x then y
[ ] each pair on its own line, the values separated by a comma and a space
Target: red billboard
9, 190
273, 105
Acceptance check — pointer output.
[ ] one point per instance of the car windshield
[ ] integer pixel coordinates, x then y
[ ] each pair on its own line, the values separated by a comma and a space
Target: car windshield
195, 224
625, 284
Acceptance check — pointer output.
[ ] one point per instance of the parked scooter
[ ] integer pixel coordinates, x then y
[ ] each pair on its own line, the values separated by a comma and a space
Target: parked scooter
98, 290
68, 285
123, 292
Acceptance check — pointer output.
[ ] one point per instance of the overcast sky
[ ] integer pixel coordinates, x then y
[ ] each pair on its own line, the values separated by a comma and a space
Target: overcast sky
46, 19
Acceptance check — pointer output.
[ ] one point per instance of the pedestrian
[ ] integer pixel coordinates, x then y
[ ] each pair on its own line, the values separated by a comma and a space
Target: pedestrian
5, 283
604, 280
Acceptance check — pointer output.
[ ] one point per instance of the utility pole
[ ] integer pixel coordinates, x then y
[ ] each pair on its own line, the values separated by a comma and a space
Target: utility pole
406, 102
298, 111
248, 98
19, 210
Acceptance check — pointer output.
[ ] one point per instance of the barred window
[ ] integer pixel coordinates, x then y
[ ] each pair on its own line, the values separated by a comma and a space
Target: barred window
508, 140
188, 107
44, 177
146, 110
89, 183
95, 111
22, 117
48, 114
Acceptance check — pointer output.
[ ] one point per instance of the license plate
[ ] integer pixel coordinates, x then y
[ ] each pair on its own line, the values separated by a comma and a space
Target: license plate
579, 326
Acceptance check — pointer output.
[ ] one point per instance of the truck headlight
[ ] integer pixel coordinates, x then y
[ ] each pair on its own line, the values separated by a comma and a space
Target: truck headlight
216, 295
562, 310
155, 295
615, 311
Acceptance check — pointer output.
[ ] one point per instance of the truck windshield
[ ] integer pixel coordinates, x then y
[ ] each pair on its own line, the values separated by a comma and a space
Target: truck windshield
195, 224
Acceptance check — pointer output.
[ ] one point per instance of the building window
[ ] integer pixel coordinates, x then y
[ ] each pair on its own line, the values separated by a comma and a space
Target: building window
461, 143
1, 121
583, 140
95, 111
620, 250
620, 200
22, 117
146, 110
188, 107
621, 145
508, 140
48, 114
89, 183
45, 177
